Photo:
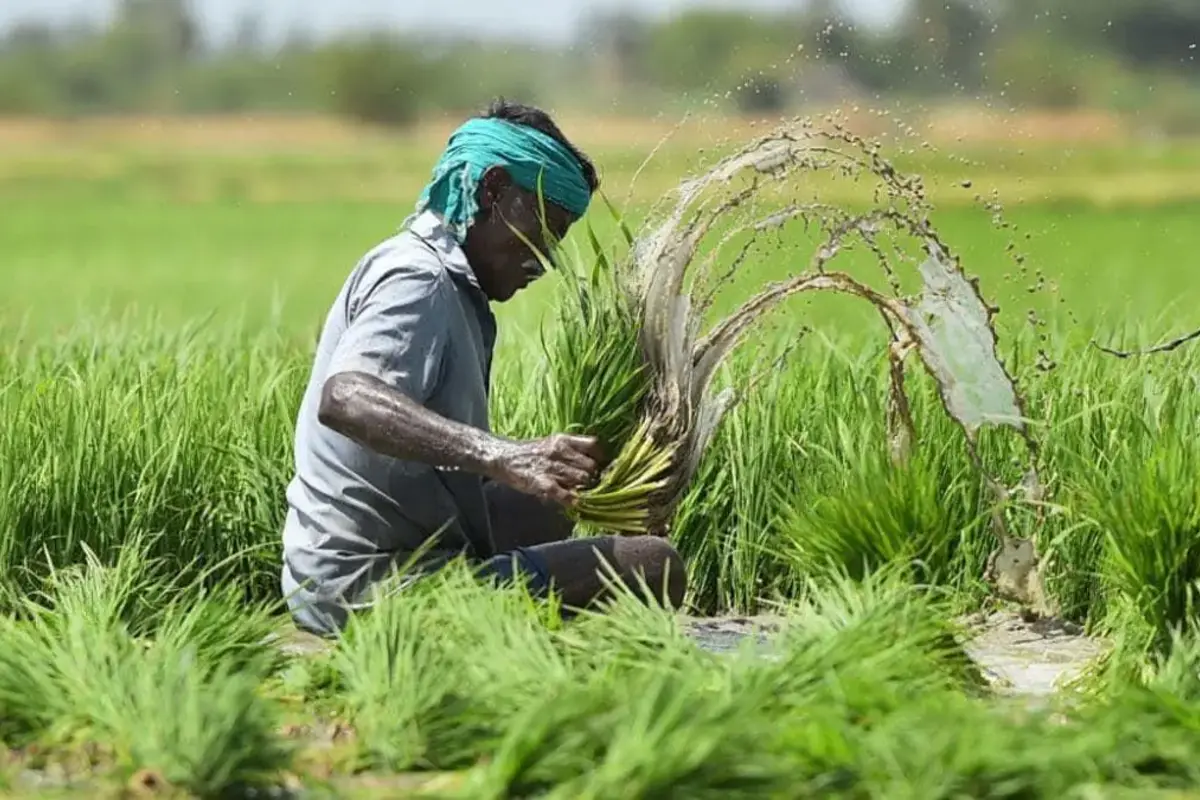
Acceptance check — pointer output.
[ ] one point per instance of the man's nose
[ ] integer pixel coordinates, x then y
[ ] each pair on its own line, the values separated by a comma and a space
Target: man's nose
533, 268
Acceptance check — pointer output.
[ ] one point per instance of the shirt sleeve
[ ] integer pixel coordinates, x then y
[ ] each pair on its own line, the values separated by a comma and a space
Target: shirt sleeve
396, 332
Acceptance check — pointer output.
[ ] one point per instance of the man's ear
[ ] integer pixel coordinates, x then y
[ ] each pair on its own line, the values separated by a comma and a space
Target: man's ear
494, 182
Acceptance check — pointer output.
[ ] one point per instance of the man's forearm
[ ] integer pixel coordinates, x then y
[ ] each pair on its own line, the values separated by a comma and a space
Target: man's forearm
377, 416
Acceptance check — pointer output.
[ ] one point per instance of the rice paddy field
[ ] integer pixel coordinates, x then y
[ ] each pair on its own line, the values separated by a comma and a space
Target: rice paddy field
161, 296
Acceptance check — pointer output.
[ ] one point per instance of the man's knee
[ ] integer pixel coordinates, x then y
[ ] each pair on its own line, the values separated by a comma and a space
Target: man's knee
657, 562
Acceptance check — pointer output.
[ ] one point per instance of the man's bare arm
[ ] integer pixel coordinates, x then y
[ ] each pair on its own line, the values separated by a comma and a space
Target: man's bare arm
367, 410
375, 415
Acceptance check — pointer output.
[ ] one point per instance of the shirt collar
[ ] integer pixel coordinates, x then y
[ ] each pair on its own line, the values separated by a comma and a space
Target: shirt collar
429, 226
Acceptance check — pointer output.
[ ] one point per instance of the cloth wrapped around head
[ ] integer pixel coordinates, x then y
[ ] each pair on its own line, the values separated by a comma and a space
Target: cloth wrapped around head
534, 160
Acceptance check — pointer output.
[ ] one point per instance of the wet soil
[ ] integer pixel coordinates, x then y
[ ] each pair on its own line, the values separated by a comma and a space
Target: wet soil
1026, 658
1032, 658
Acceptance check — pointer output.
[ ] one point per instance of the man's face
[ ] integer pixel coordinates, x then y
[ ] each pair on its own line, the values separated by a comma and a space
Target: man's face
502, 260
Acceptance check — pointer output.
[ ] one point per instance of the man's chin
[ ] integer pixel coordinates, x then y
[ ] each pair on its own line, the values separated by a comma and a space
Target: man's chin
511, 292
503, 295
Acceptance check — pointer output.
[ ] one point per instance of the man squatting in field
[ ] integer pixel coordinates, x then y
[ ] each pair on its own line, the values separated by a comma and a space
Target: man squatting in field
393, 449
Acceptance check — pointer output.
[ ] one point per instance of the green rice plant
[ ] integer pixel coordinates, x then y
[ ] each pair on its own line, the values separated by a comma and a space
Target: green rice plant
79, 619
728, 526
30, 694
1177, 671
953, 747
401, 689
514, 702
825, 620
1099, 421
595, 380
682, 733
140, 434
202, 725
1143, 713
437, 702
881, 516
950, 744
799, 480
143, 597
172, 688
644, 730
856, 513
1146, 504
1136, 740
664, 717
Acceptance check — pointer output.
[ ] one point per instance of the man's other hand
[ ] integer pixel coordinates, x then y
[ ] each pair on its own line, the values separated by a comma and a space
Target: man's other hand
552, 469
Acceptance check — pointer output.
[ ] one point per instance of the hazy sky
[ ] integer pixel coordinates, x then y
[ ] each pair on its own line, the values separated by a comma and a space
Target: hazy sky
545, 19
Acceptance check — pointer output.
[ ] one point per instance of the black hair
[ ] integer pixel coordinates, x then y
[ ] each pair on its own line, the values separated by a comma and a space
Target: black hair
536, 118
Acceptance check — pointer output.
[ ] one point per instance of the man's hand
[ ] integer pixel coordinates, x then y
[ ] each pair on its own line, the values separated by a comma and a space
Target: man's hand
551, 469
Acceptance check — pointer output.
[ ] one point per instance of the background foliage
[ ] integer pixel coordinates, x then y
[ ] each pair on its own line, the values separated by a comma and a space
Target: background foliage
1128, 55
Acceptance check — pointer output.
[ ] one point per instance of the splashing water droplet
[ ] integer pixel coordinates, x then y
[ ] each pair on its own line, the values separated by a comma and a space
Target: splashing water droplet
953, 325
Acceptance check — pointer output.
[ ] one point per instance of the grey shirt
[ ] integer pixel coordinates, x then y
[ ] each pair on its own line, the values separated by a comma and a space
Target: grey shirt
411, 314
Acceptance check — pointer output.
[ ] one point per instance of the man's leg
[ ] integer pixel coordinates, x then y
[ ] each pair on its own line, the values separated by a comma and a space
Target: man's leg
579, 570
536, 539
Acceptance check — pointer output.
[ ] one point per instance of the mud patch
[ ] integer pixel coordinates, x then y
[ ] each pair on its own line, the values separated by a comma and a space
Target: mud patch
1029, 658
298, 644
729, 634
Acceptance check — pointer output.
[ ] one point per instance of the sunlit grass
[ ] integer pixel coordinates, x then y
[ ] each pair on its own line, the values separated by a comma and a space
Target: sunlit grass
189, 440
793, 494
154, 674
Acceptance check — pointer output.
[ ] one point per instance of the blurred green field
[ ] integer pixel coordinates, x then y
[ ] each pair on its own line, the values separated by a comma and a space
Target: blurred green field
94, 232
279, 265
158, 312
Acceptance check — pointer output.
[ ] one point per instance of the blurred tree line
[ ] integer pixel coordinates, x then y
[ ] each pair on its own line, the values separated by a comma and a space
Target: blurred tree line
153, 58
1130, 55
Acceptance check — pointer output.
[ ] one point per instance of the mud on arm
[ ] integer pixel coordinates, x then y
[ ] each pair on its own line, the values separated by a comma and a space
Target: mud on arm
364, 408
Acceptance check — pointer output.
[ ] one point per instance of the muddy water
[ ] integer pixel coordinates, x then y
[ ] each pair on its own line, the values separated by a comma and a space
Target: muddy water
1031, 660
728, 634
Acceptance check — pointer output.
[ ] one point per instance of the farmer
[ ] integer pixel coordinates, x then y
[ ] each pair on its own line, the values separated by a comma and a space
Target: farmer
393, 449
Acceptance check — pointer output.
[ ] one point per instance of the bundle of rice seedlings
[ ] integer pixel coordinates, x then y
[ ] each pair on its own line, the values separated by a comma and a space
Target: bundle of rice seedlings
596, 377
630, 364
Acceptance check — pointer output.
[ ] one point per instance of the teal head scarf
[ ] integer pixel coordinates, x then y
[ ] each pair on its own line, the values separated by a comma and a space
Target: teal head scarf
527, 154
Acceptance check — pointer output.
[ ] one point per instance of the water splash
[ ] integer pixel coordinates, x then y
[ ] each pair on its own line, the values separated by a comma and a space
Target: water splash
750, 206
1165, 347
953, 326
